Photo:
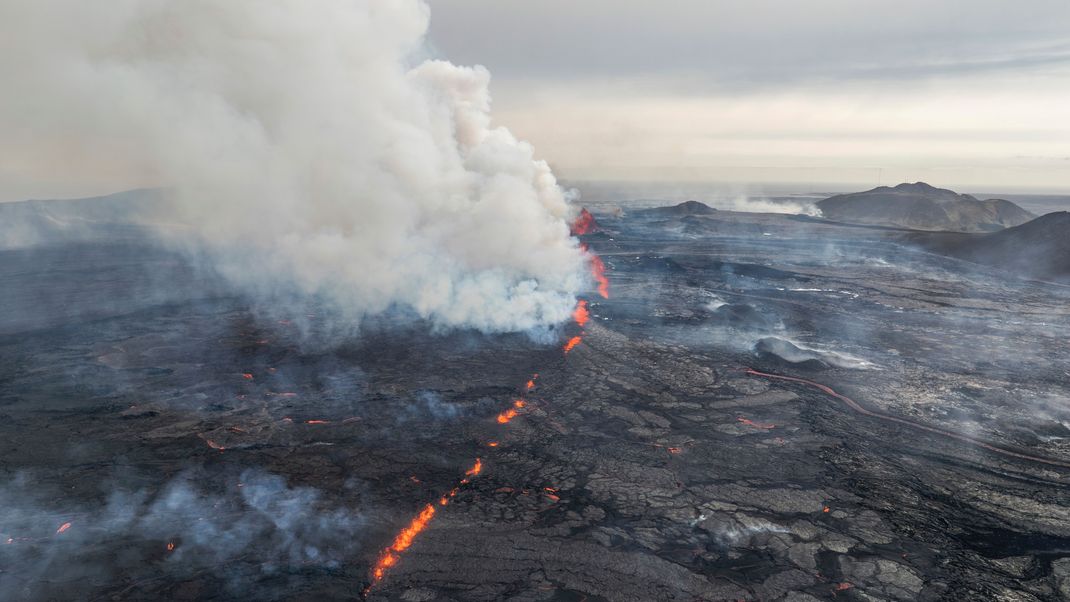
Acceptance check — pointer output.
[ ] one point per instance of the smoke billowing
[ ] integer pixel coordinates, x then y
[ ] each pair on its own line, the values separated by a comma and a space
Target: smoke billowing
312, 152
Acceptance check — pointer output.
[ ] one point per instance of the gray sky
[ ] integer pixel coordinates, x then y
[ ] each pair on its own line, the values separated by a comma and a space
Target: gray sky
967, 93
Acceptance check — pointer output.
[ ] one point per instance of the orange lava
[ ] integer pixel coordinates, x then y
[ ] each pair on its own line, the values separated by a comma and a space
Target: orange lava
598, 270
572, 343
675, 450
317, 422
475, 470
511, 413
580, 314
756, 425
492, 444
63, 528
405, 538
584, 224
826, 509
170, 546
214, 445
844, 586
247, 376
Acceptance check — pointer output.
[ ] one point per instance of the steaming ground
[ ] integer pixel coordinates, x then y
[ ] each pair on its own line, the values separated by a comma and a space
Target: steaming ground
646, 465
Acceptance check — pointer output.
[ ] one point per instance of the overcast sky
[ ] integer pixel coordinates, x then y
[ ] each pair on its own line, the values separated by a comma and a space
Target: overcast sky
966, 93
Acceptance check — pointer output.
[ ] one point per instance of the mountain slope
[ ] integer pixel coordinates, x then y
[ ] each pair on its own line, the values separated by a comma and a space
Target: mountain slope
920, 206
1037, 249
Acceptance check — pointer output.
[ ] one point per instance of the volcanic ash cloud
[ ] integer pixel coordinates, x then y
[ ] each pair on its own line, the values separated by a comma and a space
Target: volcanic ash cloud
311, 153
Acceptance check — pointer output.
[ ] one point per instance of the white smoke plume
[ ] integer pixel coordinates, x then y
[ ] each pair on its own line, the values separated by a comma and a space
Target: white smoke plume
310, 151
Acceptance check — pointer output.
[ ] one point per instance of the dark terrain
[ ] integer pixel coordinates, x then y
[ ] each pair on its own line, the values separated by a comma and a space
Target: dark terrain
920, 206
199, 450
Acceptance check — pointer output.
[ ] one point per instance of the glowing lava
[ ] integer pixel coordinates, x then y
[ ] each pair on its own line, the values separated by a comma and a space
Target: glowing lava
63, 528
509, 414
571, 344
584, 224
214, 445
580, 315
754, 424
598, 270
405, 538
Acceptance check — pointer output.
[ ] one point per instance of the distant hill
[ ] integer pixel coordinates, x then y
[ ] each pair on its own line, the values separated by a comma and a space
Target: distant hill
920, 206
1037, 249
37, 222
682, 210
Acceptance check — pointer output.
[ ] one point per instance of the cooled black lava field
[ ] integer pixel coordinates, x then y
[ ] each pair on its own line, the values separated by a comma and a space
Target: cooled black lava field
164, 440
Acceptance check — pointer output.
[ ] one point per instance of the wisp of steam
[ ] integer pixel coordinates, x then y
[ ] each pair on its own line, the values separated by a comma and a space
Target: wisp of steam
311, 150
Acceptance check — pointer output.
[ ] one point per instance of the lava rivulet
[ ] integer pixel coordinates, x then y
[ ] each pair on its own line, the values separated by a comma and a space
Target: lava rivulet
405, 538
598, 270
584, 224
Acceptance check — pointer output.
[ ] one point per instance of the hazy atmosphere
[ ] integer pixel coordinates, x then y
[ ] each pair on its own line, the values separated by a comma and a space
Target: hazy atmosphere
966, 93
490, 300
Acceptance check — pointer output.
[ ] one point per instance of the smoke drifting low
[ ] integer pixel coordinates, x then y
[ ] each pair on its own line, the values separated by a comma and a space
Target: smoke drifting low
311, 154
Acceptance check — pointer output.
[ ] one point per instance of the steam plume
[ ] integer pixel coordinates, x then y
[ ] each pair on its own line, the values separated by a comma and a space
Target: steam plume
310, 153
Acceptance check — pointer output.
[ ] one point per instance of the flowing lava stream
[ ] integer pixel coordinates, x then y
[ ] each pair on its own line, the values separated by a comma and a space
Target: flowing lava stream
854, 405
390, 556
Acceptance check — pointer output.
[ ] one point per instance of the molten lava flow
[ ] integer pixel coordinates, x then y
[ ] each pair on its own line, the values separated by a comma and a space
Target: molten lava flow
584, 224
214, 445
492, 444
580, 314
63, 528
675, 450
531, 383
247, 376
476, 469
572, 343
598, 270
170, 546
754, 424
509, 414
317, 422
391, 555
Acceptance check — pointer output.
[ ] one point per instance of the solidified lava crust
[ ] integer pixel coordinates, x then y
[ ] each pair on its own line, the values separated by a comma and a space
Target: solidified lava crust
198, 451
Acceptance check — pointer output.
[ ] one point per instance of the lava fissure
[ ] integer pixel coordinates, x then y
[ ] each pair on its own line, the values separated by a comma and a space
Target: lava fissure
405, 538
